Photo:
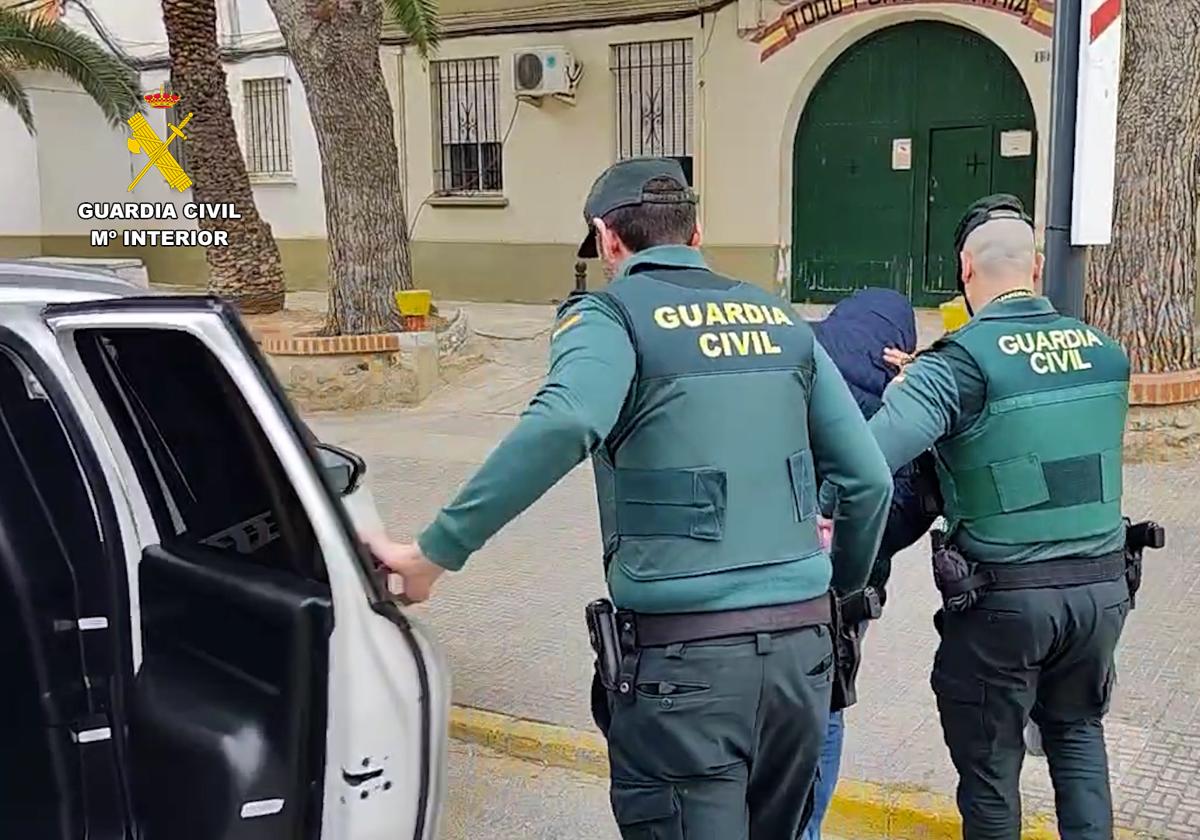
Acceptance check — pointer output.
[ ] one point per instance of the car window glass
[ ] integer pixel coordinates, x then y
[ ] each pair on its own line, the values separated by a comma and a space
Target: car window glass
210, 473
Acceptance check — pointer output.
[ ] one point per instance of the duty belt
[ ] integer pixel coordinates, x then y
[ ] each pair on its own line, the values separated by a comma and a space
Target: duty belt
662, 629
618, 636
1074, 571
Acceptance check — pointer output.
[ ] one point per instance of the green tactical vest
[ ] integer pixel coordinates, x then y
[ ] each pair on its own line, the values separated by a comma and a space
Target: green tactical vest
1042, 463
708, 468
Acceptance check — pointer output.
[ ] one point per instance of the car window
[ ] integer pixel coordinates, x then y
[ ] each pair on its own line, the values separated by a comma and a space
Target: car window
42, 477
210, 473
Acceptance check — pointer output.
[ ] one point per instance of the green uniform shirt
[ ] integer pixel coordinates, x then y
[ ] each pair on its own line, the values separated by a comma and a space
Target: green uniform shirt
592, 366
942, 393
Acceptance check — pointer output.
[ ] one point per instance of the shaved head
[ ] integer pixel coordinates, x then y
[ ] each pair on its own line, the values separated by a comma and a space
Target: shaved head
1002, 250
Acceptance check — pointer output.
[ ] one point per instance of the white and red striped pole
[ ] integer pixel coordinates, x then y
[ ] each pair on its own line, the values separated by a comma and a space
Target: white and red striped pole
1096, 122
1083, 120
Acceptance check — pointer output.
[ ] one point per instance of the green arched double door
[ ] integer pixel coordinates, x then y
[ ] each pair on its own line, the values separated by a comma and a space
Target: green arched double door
907, 128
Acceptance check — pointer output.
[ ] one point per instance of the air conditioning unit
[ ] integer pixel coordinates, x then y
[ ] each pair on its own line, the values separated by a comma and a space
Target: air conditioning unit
544, 71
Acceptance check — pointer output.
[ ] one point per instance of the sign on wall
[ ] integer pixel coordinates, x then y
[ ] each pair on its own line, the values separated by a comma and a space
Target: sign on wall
1096, 122
1016, 143
1038, 15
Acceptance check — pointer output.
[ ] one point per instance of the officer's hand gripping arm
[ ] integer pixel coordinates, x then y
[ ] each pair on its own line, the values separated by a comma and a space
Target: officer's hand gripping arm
919, 409
847, 457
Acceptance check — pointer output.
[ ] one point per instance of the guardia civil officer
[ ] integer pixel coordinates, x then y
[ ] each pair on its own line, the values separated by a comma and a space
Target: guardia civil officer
705, 406
1025, 410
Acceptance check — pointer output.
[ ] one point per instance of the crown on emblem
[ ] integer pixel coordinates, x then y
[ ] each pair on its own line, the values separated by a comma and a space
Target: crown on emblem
161, 99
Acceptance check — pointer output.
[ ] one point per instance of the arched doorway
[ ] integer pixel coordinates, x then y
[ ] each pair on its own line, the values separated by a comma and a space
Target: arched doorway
906, 128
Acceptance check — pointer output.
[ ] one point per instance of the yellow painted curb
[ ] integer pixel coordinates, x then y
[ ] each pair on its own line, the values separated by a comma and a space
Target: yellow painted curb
558, 746
859, 809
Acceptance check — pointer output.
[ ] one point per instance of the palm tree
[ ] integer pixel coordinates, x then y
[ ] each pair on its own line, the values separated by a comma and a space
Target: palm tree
335, 46
248, 271
32, 42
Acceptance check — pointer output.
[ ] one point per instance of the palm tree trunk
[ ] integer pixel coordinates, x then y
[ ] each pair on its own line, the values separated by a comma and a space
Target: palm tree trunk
1142, 287
248, 271
335, 46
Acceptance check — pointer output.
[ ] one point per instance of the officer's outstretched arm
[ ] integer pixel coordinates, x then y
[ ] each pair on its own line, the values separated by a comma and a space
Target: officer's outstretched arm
847, 457
919, 409
591, 369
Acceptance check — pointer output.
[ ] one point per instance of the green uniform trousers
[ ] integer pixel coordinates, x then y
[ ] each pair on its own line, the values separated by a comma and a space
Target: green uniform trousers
722, 739
1040, 653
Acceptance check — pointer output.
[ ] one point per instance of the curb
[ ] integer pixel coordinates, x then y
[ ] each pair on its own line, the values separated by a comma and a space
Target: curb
859, 809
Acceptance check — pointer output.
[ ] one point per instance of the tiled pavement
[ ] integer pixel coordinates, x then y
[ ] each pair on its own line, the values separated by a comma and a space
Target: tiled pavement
512, 621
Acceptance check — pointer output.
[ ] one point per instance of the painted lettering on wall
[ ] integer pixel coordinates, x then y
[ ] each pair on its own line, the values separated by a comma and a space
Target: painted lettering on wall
802, 16
717, 343
1051, 351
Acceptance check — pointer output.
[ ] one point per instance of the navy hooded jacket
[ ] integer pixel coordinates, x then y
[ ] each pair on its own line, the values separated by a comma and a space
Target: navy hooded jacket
854, 335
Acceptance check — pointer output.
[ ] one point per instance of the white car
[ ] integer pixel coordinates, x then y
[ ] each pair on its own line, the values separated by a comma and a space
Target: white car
195, 644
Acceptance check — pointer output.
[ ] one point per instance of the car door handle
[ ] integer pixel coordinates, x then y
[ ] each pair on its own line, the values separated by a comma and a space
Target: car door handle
356, 779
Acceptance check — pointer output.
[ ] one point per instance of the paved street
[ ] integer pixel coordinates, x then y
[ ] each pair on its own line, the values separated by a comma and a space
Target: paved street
494, 797
512, 622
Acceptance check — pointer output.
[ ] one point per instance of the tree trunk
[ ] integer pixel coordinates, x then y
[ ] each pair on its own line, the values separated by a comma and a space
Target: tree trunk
335, 45
1141, 289
248, 271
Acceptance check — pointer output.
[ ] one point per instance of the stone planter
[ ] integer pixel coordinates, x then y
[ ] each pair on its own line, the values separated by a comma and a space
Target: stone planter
1164, 416
349, 372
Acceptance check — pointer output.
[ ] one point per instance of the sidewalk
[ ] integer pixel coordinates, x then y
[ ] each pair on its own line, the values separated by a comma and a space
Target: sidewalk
512, 622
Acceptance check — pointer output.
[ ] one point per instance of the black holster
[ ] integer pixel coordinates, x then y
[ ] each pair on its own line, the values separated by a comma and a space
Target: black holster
611, 635
955, 576
1139, 537
850, 617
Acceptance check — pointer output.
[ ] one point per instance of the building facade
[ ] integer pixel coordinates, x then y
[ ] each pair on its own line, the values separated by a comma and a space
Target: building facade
834, 143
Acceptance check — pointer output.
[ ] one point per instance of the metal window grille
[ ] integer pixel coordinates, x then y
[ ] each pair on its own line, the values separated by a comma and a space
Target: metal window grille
468, 157
655, 100
268, 138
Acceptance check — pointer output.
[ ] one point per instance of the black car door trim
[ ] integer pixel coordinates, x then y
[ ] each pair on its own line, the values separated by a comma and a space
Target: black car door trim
113, 546
380, 599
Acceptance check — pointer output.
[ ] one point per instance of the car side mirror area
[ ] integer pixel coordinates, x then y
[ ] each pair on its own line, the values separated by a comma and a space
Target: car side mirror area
343, 470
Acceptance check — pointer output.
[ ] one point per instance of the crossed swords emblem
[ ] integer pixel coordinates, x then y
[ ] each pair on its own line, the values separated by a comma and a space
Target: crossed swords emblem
135, 147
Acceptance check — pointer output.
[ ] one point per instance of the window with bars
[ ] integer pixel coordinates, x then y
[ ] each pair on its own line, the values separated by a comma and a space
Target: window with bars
268, 132
655, 100
468, 157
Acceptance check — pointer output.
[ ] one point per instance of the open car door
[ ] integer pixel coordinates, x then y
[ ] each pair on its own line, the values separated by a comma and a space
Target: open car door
280, 692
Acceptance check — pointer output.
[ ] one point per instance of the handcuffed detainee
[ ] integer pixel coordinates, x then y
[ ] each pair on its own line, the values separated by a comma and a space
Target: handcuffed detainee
859, 334
1025, 410
707, 408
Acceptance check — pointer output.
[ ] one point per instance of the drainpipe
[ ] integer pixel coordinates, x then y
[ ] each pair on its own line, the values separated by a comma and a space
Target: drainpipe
1065, 263
402, 129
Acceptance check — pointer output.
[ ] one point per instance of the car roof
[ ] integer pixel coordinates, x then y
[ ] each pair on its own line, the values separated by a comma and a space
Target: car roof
31, 281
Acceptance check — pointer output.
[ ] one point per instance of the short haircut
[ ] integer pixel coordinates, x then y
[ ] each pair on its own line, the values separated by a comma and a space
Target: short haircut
1002, 248
669, 222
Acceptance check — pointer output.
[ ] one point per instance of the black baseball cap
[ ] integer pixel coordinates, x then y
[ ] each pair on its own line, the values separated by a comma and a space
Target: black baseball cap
624, 185
986, 209
997, 206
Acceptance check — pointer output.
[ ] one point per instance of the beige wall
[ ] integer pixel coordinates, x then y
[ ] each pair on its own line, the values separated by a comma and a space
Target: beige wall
747, 112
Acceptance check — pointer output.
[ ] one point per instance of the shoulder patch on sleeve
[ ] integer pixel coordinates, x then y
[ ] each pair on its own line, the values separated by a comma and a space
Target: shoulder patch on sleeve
565, 324
575, 296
